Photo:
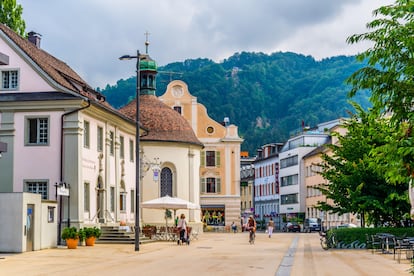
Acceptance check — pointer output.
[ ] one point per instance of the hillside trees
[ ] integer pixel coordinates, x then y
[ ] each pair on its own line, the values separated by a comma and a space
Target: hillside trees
266, 96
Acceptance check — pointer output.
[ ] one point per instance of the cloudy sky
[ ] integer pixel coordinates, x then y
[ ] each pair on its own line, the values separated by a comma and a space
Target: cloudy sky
90, 35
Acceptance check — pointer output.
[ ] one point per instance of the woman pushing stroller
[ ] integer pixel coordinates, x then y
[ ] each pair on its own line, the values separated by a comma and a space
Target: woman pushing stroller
182, 226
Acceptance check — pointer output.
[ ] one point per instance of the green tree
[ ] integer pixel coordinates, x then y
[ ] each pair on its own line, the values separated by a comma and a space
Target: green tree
354, 184
11, 16
389, 75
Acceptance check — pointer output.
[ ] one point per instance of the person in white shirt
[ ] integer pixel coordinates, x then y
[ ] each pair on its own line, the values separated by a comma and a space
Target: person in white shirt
182, 226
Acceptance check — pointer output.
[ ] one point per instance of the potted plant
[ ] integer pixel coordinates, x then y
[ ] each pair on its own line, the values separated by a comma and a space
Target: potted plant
82, 236
91, 234
71, 236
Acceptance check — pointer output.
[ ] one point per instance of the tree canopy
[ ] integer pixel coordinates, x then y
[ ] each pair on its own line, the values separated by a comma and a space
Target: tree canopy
354, 184
389, 74
11, 16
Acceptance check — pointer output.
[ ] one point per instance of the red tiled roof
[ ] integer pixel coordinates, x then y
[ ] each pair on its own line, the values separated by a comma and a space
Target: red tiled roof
56, 69
162, 122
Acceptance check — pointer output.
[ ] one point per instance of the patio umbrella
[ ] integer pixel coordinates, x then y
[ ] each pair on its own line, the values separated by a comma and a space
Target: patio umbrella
167, 202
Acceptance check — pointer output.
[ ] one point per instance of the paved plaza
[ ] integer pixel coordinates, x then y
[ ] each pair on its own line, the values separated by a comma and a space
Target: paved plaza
212, 254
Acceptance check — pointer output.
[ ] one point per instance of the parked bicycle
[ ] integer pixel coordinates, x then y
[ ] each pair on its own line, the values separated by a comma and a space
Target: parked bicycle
327, 241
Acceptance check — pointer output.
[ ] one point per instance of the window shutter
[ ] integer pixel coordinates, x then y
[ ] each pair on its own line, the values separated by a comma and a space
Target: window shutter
203, 159
218, 185
217, 159
203, 185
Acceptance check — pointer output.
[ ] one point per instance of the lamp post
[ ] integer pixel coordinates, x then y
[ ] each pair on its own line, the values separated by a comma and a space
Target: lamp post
137, 157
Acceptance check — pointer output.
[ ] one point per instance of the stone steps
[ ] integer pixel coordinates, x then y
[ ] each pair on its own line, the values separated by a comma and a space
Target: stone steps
118, 235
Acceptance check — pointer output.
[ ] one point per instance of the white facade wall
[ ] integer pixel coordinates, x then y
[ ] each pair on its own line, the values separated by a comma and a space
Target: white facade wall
300, 188
184, 162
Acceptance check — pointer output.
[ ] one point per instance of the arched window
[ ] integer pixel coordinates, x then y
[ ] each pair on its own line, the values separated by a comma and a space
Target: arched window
166, 182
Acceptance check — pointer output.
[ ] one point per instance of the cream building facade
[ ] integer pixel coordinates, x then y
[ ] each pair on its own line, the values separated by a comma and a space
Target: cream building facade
219, 175
313, 179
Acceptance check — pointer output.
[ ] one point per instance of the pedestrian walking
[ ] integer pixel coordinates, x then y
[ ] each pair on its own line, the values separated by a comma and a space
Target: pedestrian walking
270, 226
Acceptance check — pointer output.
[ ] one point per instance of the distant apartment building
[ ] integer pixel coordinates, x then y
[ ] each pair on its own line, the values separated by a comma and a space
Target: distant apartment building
266, 183
293, 191
313, 179
246, 185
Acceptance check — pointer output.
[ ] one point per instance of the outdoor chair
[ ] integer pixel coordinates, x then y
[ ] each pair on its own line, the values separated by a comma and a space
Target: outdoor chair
376, 243
402, 245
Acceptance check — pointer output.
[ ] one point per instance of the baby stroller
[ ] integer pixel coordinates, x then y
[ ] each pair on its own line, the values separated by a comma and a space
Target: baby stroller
184, 237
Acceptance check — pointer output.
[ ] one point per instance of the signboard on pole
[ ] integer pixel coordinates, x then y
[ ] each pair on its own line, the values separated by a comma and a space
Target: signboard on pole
62, 190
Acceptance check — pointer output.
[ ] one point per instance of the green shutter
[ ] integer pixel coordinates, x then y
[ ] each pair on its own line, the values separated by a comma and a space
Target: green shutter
203, 185
217, 159
218, 185
203, 159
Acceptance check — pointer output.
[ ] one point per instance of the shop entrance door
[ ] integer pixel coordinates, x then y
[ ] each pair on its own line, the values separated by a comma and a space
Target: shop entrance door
29, 228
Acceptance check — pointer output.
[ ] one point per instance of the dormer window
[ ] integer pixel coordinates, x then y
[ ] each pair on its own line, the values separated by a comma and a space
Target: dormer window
9, 79
178, 109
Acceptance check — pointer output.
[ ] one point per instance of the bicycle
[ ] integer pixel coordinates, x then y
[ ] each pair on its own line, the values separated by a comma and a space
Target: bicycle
327, 241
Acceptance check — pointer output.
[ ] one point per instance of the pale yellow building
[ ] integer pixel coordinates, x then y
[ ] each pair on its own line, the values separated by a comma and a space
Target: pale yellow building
314, 179
219, 160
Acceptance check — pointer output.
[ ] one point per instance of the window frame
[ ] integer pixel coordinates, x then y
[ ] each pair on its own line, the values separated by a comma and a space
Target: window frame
122, 147
11, 87
99, 138
39, 129
86, 197
86, 134
44, 191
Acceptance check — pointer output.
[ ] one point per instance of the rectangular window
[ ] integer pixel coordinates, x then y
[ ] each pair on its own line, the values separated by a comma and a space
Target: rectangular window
37, 187
50, 214
131, 151
288, 162
210, 158
289, 180
86, 197
122, 202
210, 185
121, 147
178, 109
132, 201
288, 199
111, 142
37, 131
86, 134
112, 199
100, 139
9, 80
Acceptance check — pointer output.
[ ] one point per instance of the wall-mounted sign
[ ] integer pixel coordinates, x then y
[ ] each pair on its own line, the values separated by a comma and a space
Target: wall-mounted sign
63, 189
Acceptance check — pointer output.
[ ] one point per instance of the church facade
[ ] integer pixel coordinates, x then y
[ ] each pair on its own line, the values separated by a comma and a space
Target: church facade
219, 176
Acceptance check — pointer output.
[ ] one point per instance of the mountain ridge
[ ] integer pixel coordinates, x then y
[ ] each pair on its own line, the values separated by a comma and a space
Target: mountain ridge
268, 96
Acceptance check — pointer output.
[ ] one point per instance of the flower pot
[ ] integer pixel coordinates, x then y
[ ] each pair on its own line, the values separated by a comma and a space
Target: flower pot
72, 243
90, 241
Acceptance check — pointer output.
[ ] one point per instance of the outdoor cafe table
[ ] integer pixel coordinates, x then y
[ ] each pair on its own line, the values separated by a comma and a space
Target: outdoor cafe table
385, 241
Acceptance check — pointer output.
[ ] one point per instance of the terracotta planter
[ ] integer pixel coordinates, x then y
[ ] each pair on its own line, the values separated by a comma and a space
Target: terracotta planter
72, 243
90, 241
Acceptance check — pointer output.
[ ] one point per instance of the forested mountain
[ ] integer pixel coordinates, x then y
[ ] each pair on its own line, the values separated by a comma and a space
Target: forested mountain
266, 96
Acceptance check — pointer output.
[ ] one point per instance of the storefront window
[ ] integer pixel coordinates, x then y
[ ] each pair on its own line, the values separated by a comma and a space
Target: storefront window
213, 215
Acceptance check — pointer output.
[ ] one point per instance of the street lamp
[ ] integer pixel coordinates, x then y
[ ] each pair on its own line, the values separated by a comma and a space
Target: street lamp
137, 157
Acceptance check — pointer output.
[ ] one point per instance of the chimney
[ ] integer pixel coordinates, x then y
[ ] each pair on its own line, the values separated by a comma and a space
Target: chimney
34, 38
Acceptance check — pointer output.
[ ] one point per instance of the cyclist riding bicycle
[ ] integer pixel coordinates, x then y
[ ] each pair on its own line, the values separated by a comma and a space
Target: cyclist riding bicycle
251, 227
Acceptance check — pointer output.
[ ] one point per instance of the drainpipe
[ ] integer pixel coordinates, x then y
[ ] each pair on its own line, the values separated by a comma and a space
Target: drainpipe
61, 168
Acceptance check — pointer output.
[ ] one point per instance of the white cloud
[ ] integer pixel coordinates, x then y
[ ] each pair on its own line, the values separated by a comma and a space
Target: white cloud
90, 35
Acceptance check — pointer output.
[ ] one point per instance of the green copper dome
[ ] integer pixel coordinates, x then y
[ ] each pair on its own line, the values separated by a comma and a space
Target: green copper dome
147, 64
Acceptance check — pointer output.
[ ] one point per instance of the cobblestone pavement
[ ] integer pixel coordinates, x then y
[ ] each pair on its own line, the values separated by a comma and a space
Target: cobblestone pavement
212, 254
